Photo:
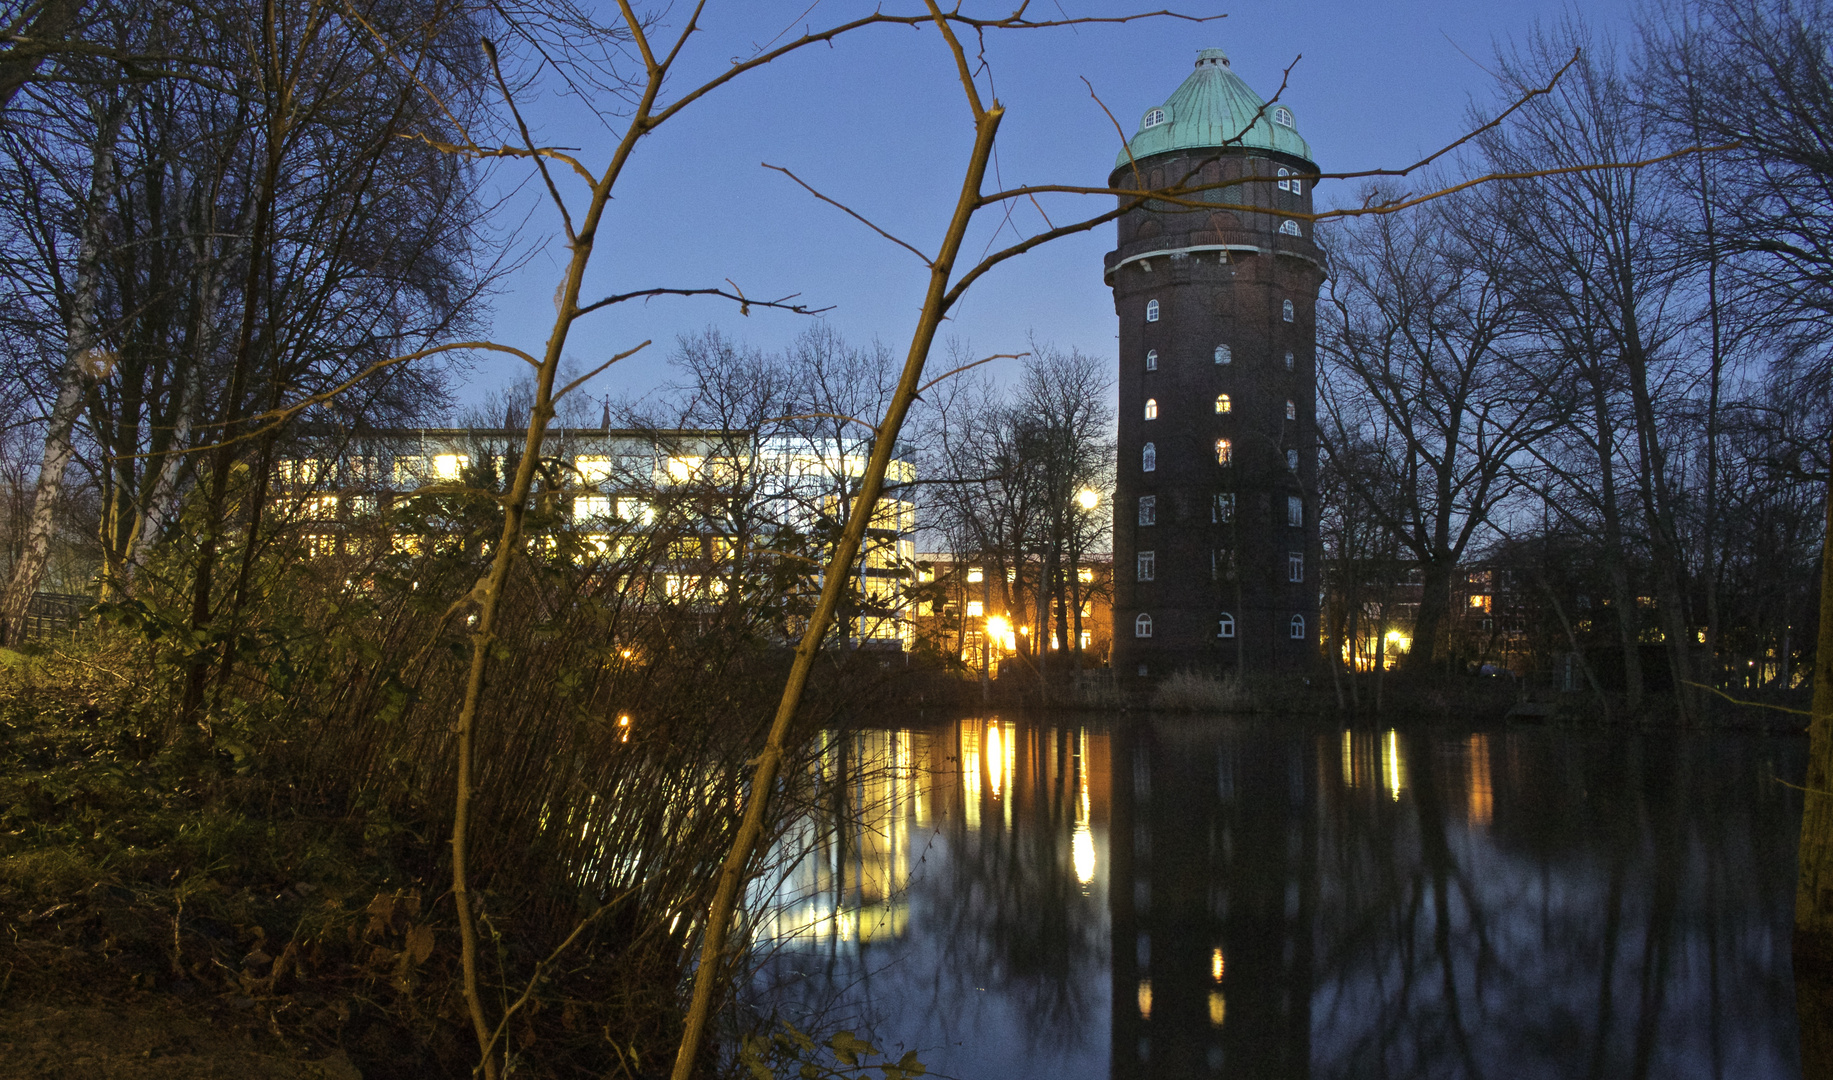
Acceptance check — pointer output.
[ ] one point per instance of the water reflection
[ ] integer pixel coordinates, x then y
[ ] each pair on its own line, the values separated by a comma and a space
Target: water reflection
1027, 899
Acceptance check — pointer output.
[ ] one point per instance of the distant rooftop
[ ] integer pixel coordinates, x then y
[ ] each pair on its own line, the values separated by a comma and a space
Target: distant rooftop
1215, 108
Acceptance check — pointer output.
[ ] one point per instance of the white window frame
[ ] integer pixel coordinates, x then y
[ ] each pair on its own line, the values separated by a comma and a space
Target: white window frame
1148, 509
1151, 310
1146, 566
1297, 626
1286, 311
1142, 627
1290, 228
1148, 458
1152, 119
1225, 626
1295, 566
1151, 408
1284, 118
1285, 182
1295, 511
1151, 359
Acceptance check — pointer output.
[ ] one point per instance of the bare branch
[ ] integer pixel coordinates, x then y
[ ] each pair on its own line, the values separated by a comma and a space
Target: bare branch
745, 303
850, 213
576, 383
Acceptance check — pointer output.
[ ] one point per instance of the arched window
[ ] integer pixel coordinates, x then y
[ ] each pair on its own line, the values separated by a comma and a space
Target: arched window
1142, 626
1290, 363
1283, 117
1290, 228
1285, 183
1291, 409
1223, 404
1151, 408
1153, 118
1148, 458
1298, 186
1292, 460
1285, 310
1298, 628
1152, 311
1225, 626
1151, 359
1225, 452
1224, 354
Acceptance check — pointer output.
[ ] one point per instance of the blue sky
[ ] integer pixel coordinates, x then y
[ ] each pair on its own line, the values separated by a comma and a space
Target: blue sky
878, 121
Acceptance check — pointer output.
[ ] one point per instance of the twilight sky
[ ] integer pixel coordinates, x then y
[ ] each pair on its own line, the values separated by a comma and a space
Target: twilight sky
878, 122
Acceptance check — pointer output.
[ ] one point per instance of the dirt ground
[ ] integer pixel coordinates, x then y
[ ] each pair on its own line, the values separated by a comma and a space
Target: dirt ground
153, 1039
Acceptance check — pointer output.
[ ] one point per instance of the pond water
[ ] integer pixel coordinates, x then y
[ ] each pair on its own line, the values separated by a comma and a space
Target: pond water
1028, 896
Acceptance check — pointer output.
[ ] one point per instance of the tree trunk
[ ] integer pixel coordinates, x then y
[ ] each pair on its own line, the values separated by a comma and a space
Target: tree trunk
72, 384
1814, 887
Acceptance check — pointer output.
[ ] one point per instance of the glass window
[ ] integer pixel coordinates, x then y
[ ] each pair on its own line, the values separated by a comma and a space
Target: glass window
1151, 408
1285, 183
1290, 228
1142, 627
1292, 460
1153, 118
1223, 404
450, 466
1298, 186
1291, 409
593, 470
975, 575
1295, 566
1291, 361
1151, 359
1148, 566
1225, 452
592, 506
1225, 626
1295, 511
1148, 458
1285, 310
1298, 628
1148, 509
976, 608
1283, 117
1222, 508
1151, 310
1224, 354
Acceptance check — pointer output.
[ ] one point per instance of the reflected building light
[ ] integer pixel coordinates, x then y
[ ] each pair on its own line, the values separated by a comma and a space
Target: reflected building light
1218, 1008
995, 759
1082, 853
1482, 802
1349, 759
1217, 965
1145, 999
1393, 765
970, 777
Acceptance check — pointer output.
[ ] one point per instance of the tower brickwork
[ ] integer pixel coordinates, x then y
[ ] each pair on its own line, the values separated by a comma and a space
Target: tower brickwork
1215, 510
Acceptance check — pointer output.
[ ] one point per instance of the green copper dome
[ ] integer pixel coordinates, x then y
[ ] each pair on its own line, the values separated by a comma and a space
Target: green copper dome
1214, 108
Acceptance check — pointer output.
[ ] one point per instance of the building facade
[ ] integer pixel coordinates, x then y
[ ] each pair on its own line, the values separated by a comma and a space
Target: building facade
1215, 511
675, 517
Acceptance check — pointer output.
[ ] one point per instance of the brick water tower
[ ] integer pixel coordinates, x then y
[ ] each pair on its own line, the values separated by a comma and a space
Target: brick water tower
1215, 510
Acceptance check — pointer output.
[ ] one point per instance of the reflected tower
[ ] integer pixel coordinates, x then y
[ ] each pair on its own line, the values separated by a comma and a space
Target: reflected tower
1215, 534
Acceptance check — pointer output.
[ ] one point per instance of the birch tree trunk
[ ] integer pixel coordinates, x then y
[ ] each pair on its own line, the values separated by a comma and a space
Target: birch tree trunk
80, 341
